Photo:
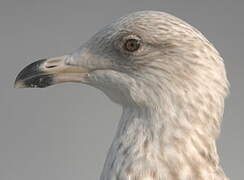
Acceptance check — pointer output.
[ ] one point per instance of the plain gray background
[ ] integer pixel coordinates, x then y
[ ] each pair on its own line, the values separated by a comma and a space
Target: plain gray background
63, 132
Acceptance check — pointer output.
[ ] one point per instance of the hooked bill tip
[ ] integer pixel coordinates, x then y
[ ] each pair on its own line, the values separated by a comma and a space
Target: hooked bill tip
33, 77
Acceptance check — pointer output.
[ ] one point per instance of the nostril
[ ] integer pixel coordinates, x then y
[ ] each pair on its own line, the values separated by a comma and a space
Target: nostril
51, 66
53, 63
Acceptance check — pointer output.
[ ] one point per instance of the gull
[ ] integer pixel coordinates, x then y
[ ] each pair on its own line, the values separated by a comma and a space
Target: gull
171, 83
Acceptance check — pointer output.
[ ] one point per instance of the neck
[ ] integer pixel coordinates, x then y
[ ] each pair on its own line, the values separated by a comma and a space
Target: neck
161, 143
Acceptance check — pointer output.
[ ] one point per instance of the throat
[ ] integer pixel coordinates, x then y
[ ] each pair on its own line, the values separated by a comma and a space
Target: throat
154, 143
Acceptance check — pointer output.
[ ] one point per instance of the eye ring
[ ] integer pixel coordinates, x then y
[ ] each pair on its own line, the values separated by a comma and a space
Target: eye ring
132, 45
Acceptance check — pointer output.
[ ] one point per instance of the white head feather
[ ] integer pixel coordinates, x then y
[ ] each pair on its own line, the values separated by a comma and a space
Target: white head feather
171, 83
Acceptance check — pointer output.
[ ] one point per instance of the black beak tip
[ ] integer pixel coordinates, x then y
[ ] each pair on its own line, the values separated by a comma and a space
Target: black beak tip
33, 77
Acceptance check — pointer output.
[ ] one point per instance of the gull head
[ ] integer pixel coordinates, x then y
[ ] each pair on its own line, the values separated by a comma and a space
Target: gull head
171, 82
140, 59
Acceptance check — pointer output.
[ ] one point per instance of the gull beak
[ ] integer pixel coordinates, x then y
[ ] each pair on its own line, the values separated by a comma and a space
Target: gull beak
47, 72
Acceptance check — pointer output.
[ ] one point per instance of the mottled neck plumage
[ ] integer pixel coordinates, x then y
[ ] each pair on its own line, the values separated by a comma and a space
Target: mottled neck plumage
162, 144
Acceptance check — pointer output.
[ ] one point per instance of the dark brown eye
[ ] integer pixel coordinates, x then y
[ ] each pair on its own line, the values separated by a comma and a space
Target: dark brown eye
132, 45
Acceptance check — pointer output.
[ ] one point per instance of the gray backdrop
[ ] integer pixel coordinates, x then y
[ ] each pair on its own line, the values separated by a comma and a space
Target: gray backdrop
63, 132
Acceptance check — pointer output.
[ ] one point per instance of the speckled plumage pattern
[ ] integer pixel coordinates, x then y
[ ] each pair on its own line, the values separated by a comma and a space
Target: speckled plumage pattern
172, 91
172, 97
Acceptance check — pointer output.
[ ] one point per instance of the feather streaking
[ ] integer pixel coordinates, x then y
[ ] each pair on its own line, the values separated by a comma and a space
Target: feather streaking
172, 91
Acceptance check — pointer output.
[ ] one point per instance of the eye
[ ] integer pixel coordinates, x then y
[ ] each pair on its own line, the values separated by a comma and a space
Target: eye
132, 45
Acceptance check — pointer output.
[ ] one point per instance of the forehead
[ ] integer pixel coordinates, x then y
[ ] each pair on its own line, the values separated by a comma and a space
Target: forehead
154, 27
154, 24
